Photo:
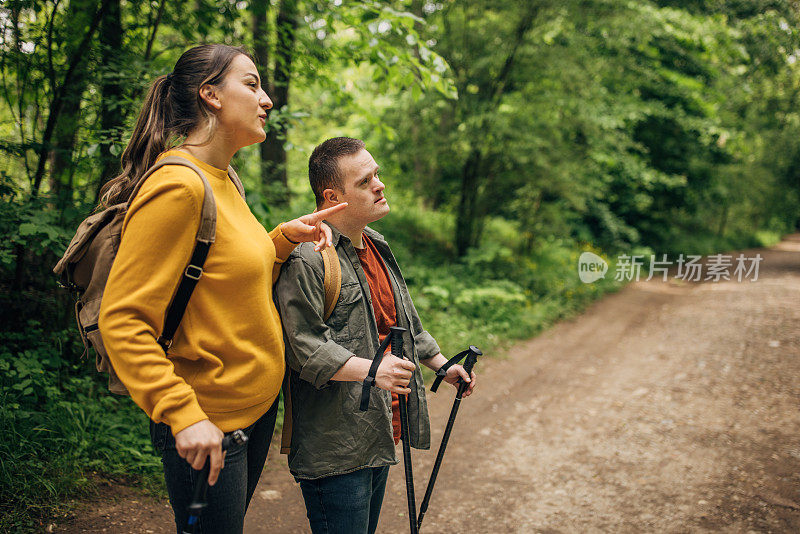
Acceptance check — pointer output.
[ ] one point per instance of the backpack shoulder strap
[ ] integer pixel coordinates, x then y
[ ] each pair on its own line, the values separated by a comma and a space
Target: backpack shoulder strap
333, 279
236, 181
177, 307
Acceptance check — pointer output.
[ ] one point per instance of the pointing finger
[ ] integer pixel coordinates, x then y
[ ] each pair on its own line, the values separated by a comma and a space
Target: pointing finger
322, 214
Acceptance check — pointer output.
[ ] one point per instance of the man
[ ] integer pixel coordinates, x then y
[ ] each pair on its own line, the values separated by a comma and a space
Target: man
339, 454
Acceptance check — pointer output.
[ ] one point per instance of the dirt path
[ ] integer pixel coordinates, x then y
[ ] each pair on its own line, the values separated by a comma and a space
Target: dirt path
663, 408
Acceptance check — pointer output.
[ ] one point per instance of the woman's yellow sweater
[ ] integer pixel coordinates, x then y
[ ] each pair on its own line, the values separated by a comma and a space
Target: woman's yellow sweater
226, 363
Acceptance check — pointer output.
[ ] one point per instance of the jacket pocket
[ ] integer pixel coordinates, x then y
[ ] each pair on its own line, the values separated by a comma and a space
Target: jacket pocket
347, 320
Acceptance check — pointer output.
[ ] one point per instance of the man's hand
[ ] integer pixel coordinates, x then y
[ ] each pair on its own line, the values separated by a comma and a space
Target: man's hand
311, 228
453, 374
394, 374
457, 372
199, 441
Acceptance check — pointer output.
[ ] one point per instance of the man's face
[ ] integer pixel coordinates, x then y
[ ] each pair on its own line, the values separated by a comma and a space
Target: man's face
363, 190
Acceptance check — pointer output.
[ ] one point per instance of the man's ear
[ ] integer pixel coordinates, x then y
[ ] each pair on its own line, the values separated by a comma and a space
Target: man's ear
331, 196
208, 94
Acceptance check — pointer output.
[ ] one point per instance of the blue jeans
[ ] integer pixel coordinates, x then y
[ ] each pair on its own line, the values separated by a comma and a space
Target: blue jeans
345, 504
229, 497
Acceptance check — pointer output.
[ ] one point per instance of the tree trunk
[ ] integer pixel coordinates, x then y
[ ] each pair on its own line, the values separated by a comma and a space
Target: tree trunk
64, 136
112, 110
421, 178
62, 95
528, 221
467, 216
63, 141
149, 49
154, 20
469, 219
723, 219
260, 27
273, 151
261, 35
66, 128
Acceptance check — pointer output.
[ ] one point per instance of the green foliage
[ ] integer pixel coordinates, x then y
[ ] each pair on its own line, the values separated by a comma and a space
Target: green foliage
618, 123
60, 426
29, 226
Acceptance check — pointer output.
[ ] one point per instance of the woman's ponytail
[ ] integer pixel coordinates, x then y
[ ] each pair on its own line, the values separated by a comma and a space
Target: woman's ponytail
149, 139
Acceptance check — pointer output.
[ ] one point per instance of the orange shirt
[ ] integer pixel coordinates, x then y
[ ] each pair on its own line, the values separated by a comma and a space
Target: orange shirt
382, 306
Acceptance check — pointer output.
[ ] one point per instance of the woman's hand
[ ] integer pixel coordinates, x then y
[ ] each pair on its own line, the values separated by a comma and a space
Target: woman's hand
199, 441
311, 228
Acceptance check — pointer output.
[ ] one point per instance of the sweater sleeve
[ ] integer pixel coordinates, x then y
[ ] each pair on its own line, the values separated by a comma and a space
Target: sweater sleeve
158, 238
283, 247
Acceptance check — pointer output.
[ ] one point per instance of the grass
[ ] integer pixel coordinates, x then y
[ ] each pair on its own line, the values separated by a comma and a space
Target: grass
60, 427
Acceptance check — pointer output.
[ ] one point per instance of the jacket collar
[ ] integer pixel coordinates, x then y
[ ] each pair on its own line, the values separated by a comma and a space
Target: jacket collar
375, 236
372, 234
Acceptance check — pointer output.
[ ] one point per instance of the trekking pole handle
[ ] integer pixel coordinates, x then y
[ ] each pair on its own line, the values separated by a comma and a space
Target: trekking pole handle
237, 437
397, 341
471, 353
472, 357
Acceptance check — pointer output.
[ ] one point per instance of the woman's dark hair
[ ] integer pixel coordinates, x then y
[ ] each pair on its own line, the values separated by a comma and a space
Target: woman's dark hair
173, 108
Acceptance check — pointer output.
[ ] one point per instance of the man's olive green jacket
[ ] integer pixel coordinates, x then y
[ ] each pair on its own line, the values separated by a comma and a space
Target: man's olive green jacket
330, 435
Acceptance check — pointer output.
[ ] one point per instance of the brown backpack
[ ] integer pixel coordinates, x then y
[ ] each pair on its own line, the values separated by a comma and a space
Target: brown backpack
86, 264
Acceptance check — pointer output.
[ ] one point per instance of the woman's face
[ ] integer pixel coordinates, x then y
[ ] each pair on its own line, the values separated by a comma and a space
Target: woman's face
242, 104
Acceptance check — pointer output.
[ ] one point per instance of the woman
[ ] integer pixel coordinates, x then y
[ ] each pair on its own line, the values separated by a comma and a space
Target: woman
225, 366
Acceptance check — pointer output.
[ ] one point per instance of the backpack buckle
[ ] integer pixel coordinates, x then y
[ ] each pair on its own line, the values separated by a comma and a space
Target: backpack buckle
194, 272
165, 343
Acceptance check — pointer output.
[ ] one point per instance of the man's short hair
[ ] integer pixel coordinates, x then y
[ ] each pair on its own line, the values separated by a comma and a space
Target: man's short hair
323, 165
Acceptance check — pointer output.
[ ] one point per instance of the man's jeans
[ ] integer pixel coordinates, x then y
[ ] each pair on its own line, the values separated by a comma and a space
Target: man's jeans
229, 497
345, 504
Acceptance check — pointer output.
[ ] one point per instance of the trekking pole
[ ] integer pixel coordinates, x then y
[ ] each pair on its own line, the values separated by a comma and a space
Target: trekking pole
395, 338
237, 437
397, 350
472, 354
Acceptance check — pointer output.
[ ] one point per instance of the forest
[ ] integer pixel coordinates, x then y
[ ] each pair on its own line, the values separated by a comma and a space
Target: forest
512, 136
